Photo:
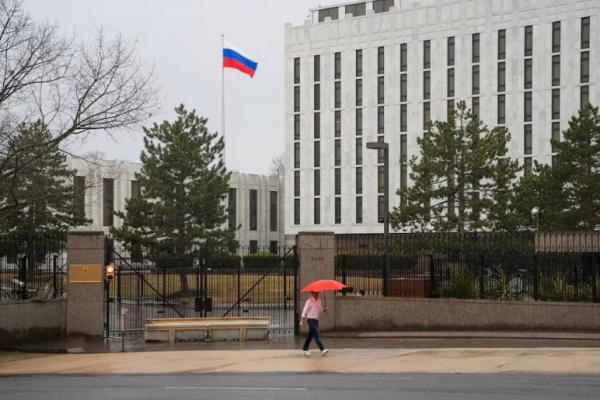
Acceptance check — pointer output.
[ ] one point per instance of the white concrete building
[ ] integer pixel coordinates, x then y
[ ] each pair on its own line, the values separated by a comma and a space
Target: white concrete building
380, 70
255, 200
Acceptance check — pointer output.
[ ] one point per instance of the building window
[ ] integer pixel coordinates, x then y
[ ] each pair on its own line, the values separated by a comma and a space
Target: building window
317, 153
296, 155
380, 6
356, 10
79, 195
585, 33
135, 189
380, 179
296, 211
316, 126
380, 90
501, 44
359, 159
585, 67
359, 180
359, 210
359, 122
475, 79
528, 165
450, 82
450, 109
337, 67
296, 127
338, 94
403, 118
317, 100
317, 211
426, 85
427, 54
380, 209
556, 70
528, 73
528, 105
359, 58
475, 107
338, 152
296, 98
403, 57
317, 68
273, 211
555, 103
501, 77
380, 60
338, 210
555, 135
274, 247
253, 209
338, 181
317, 182
501, 110
475, 47
338, 123
296, 183
108, 199
296, 71
359, 91
426, 115
253, 247
451, 48
232, 208
585, 96
328, 12
528, 41
528, 140
380, 119
403, 87
556, 37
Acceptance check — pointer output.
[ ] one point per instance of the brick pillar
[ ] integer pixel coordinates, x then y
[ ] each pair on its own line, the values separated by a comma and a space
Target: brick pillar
316, 252
85, 292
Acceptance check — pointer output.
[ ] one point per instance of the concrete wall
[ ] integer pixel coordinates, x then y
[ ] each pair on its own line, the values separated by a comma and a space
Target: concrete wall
22, 321
369, 313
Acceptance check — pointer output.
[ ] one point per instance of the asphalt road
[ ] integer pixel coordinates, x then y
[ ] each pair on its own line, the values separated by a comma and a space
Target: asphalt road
301, 386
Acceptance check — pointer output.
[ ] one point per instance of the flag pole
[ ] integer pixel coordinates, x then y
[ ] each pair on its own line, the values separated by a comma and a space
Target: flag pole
223, 101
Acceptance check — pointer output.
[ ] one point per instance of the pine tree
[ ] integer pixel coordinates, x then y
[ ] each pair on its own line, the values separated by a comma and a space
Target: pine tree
184, 182
461, 181
41, 198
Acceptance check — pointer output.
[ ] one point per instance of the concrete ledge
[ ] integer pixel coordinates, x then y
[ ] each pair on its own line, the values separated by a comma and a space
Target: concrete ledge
379, 313
206, 329
25, 321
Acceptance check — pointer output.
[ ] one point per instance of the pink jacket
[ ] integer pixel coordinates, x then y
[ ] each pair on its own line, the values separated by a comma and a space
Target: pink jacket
312, 309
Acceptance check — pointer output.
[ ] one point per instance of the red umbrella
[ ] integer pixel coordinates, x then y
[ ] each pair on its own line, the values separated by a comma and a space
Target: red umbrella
323, 285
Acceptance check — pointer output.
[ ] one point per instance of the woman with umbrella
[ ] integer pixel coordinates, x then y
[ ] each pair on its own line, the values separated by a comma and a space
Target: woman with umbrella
312, 311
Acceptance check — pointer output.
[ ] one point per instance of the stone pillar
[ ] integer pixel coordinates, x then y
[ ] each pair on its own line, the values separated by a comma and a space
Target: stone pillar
316, 252
85, 292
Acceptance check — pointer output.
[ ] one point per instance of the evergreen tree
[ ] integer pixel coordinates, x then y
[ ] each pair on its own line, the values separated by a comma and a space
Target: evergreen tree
462, 180
568, 192
184, 182
41, 199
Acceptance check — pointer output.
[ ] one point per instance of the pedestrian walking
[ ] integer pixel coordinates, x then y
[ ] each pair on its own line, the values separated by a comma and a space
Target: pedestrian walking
311, 313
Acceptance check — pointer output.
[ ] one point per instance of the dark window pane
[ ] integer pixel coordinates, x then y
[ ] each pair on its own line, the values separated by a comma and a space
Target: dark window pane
475, 48
556, 37
317, 154
338, 152
556, 70
359, 151
296, 183
359, 59
359, 122
317, 182
338, 123
296, 155
337, 65
380, 90
528, 41
79, 195
450, 51
555, 135
426, 115
356, 10
253, 210
253, 247
338, 210
475, 106
232, 208
528, 139
528, 106
108, 201
274, 247
475, 79
338, 181
426, 85
380, 60
136, 192
585, 33
359, 90
359, 210
528, 73
426, 54
501, 44
317, 125
555, 103
382, 5
338, 94
317, 100
501, 110
296, 98
296, 126
317, 210
328, 12
381, 152
585, 67
317, 68
450, 109
380, 209
380, 179
296, 70
450, 82
501, 77
528, 165
403, 57
359, 180
296, 211
403, 118
380, 119
273, 211
584, 97
403, 87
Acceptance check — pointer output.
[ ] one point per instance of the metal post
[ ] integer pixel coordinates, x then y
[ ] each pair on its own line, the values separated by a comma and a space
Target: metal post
285, 286
536, 279
296, 311
23, 279
431, 277
481, 270
239, 287
386, 219
164, 289
54, 272
595, 279
344, 271
122, 326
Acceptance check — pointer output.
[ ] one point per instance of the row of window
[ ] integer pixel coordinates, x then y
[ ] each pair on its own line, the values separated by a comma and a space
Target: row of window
355, 10
252, 210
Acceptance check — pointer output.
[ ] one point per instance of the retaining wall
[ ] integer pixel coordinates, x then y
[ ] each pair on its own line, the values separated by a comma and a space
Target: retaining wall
30, 320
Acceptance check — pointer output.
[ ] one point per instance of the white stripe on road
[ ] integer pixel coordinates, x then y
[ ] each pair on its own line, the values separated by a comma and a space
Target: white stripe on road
233, 388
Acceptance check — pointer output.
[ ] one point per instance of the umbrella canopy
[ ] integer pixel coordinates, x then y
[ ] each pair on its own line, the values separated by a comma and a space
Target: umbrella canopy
322, 285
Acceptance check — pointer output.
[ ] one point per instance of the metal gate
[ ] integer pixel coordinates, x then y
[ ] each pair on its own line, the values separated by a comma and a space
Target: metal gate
241, 285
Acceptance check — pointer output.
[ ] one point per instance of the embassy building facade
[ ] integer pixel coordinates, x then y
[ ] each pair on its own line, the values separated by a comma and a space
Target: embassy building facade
382, 70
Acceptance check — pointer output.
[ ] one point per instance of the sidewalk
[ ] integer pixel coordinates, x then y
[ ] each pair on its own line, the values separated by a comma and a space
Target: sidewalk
515, 360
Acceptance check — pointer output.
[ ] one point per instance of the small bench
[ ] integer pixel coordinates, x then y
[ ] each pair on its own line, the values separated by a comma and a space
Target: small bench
173, 330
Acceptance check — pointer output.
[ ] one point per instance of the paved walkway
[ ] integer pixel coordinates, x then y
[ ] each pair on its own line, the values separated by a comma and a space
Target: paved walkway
538, 360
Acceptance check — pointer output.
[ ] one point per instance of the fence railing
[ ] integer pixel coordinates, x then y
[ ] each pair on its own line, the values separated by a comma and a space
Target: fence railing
32, 267
498, 266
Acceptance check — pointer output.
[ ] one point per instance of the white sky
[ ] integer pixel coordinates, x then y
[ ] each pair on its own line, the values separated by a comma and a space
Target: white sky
181, 40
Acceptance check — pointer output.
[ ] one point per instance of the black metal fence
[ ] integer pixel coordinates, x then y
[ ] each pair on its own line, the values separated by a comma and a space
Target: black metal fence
32, 267
499, 266
243, 284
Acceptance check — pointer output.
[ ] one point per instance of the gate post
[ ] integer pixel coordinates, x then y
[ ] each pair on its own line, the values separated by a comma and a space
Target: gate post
85, 290
316, 256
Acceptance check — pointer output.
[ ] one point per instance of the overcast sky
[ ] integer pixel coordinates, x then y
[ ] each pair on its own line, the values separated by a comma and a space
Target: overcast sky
181, 39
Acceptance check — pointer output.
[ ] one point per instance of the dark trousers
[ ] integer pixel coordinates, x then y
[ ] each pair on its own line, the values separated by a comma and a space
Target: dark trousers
313, 332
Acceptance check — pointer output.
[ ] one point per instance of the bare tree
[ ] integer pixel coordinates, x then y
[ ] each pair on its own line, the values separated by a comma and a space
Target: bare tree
278, 166
72, 88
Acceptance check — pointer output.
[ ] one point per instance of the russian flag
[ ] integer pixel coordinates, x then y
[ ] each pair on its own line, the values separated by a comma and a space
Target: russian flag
235, 58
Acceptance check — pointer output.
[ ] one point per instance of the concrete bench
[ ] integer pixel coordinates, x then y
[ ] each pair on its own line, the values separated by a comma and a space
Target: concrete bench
206, 329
